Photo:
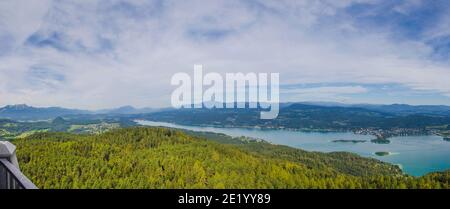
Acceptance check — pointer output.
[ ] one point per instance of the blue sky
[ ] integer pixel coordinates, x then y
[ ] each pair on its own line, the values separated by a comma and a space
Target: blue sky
102, 54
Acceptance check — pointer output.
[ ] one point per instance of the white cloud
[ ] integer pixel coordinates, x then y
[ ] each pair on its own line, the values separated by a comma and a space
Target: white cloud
327, 90
324, 93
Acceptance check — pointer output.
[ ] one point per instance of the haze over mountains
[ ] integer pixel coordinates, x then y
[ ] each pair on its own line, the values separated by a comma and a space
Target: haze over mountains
25, 112
398, 109
125, 110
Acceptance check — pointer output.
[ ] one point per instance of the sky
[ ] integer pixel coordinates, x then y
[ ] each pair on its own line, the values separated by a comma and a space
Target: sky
94, 54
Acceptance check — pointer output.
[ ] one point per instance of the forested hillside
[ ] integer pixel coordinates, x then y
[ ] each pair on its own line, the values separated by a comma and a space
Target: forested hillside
10, 129
164, 158
344, 162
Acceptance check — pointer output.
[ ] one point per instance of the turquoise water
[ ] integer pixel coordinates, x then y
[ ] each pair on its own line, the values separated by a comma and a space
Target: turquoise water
416, 155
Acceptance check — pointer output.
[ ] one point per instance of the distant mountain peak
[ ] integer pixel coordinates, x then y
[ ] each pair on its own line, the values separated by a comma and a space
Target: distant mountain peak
18, 106
126, 107
58, 119
25, 112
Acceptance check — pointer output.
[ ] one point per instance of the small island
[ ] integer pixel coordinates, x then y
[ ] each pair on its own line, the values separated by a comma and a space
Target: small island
447, 139
380, 141
349, 141
382, 153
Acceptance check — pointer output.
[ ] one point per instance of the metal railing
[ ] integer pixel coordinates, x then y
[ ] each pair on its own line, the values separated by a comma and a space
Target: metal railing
10, 175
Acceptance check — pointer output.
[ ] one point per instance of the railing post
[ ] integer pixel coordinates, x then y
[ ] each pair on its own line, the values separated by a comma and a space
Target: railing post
10, 175
8, 151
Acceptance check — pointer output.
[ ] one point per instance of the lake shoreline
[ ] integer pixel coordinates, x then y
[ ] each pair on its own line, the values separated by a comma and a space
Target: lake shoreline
304, 130
430, 152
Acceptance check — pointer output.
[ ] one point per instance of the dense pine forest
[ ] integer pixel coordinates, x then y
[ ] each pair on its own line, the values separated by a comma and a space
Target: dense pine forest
141, 157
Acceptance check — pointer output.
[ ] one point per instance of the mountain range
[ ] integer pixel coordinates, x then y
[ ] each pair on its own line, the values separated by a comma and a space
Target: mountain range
25, 112
397, 109
311, 116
